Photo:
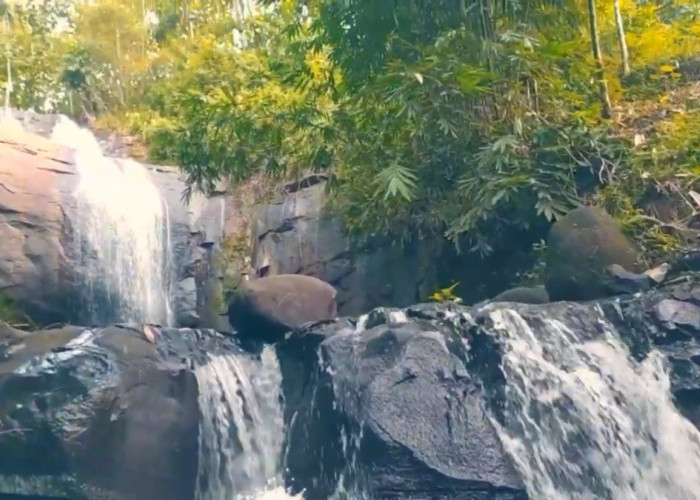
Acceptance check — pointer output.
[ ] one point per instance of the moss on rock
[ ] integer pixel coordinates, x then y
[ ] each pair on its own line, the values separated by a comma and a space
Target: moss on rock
581, 246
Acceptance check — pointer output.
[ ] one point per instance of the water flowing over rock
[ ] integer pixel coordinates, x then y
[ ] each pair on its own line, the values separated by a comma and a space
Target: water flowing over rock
499, 401
121, 235
582, 419
102, 413
244, 393
504, 401
579, 401
95, 239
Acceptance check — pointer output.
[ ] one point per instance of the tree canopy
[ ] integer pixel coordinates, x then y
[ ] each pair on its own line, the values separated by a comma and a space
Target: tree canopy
463, 119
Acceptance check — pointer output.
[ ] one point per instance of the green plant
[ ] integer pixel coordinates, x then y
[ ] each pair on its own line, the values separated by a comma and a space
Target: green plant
10, 313
445, 294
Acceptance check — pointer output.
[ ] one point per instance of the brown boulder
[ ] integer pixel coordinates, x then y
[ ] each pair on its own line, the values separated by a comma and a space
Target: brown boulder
266, 308
580, 248
33, 183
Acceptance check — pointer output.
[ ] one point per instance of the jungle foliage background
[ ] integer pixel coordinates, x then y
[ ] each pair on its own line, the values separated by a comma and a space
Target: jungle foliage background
464, 120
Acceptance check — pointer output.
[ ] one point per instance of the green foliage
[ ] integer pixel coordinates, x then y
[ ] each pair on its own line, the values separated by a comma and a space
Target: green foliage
464, 119
445, 294
9, 313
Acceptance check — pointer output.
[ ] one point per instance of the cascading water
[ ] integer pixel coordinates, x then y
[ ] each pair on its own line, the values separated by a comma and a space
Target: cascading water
584, 421
241, 428
122, 235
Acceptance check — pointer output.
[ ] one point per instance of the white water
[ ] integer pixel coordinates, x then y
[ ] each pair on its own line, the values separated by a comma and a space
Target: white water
122, 234
241, 429
584, 421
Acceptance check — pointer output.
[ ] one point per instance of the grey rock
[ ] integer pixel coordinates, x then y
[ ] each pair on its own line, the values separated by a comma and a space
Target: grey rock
618, 280
411, 415
676, 313
293, 234
186, 305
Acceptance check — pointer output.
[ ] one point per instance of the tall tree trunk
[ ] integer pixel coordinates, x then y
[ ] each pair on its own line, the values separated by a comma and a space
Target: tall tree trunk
624, 55
600, 70
8, 55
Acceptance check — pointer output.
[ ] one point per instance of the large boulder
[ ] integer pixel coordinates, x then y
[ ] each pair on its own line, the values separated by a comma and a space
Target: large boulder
266, 308
390, 412
109, 413
580, 247
36, 177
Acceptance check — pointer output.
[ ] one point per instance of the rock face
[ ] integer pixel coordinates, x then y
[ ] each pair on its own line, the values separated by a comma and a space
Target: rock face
196, 232
35, 178
267, 308
293, 235
393, 410
38, 211
580, 247
101, 414
391, 406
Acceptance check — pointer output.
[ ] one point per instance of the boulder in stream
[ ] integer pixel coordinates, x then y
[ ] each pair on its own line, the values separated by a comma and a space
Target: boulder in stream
266, 308
391, 412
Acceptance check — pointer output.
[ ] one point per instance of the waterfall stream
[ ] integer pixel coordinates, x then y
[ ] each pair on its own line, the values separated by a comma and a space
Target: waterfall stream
583, 421
241, 428
122, 235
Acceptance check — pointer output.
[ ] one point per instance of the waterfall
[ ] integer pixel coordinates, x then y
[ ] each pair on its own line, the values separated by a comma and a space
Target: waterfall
583, 420
122, 234
241, 434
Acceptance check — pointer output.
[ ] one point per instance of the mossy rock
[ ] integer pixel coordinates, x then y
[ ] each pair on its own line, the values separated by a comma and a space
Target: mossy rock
523, 295
580, 247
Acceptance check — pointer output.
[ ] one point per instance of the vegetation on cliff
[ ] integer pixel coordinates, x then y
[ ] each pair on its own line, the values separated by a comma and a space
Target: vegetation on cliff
471, 119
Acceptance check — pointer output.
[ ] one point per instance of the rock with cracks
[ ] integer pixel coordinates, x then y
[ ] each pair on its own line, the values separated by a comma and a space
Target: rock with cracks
391, 412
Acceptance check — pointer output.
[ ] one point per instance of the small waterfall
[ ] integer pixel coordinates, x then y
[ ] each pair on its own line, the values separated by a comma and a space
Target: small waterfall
585, 421
241, 428
122, 234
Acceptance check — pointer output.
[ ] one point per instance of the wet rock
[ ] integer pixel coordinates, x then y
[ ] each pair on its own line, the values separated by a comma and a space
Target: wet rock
394, 411
102, 414
580, 248
266, 308
186, 303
